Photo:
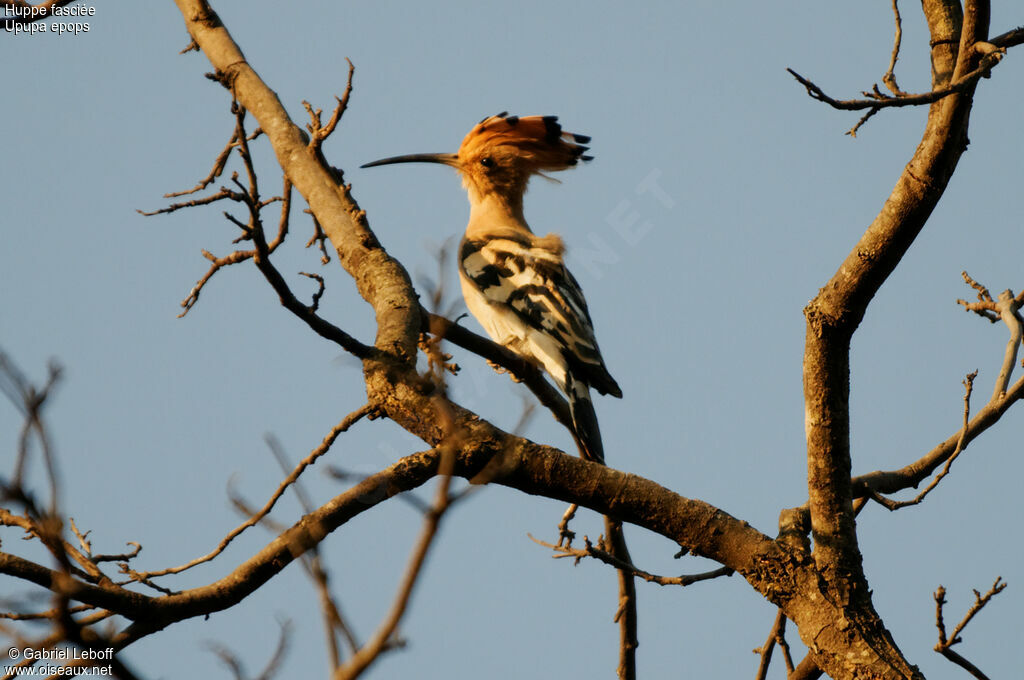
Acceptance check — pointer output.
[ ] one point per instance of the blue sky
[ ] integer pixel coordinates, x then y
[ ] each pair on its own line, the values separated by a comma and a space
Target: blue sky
697, 307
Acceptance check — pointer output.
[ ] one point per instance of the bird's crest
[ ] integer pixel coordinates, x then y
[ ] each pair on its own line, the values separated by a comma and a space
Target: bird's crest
537, 140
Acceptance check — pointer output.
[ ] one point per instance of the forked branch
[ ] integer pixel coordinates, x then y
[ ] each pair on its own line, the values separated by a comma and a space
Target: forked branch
777, 636
890, 77
960, 443
383, 638
601, 553
324, 446
946, 642
875, 99
1007, 308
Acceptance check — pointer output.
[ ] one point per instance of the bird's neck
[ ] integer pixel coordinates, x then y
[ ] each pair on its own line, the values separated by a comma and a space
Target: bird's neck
495, 212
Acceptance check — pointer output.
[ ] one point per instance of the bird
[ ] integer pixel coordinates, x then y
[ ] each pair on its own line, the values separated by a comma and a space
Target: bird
515, 283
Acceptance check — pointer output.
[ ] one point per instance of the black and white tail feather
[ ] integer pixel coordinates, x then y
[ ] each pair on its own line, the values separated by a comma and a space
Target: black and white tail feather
584, 420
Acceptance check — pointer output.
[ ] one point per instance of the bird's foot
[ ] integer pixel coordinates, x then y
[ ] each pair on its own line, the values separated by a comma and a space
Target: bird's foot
565, 535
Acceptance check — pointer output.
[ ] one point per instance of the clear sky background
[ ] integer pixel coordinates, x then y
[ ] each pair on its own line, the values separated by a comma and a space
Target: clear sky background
698, 313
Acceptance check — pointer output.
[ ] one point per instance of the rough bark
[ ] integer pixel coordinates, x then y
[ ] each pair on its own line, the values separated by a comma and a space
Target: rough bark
834, 315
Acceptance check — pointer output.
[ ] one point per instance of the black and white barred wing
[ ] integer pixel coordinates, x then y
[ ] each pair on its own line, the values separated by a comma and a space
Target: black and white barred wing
526, 299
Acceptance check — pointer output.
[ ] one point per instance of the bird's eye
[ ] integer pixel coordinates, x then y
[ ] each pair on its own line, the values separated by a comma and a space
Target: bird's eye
487, 162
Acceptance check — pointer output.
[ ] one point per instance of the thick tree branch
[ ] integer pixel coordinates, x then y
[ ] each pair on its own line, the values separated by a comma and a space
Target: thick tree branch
528, 467
784, 574
835, 313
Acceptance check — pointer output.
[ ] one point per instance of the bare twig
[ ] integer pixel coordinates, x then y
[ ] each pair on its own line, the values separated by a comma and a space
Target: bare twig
319, 238
286, 206
320, 133
946, 642
30, 400
876, 100
968, 384
602, 554
776, 636
224, 193
626, 614
219, 163
383, 637
1006, 308
863, 119
217, 264
315, 305
253, 230
890, 78
565, 534
316, 453
234, 664
334, 622
911, 475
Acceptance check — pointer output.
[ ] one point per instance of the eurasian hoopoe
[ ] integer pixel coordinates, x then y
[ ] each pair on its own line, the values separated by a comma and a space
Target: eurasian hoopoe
515, 283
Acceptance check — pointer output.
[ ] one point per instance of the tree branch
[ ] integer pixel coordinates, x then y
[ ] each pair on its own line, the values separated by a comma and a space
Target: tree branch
528, 467
1010, 38
877, 100
944, 643
325, 446
777, 635
890, 77
835, 313
1003, 397
603, 555
896, 505
522, 369
369, 652
381, 280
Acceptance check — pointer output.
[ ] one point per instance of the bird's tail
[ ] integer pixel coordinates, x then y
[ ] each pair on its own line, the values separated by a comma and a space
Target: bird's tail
584, 420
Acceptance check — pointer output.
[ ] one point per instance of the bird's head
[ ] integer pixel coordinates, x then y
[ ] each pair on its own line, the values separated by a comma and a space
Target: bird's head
502, 152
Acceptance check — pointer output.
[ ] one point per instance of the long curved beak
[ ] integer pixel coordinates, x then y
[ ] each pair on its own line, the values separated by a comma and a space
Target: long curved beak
442, 158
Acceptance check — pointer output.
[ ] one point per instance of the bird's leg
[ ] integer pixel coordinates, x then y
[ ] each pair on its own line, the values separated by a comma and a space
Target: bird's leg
438, 359
565, 535
498, 368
